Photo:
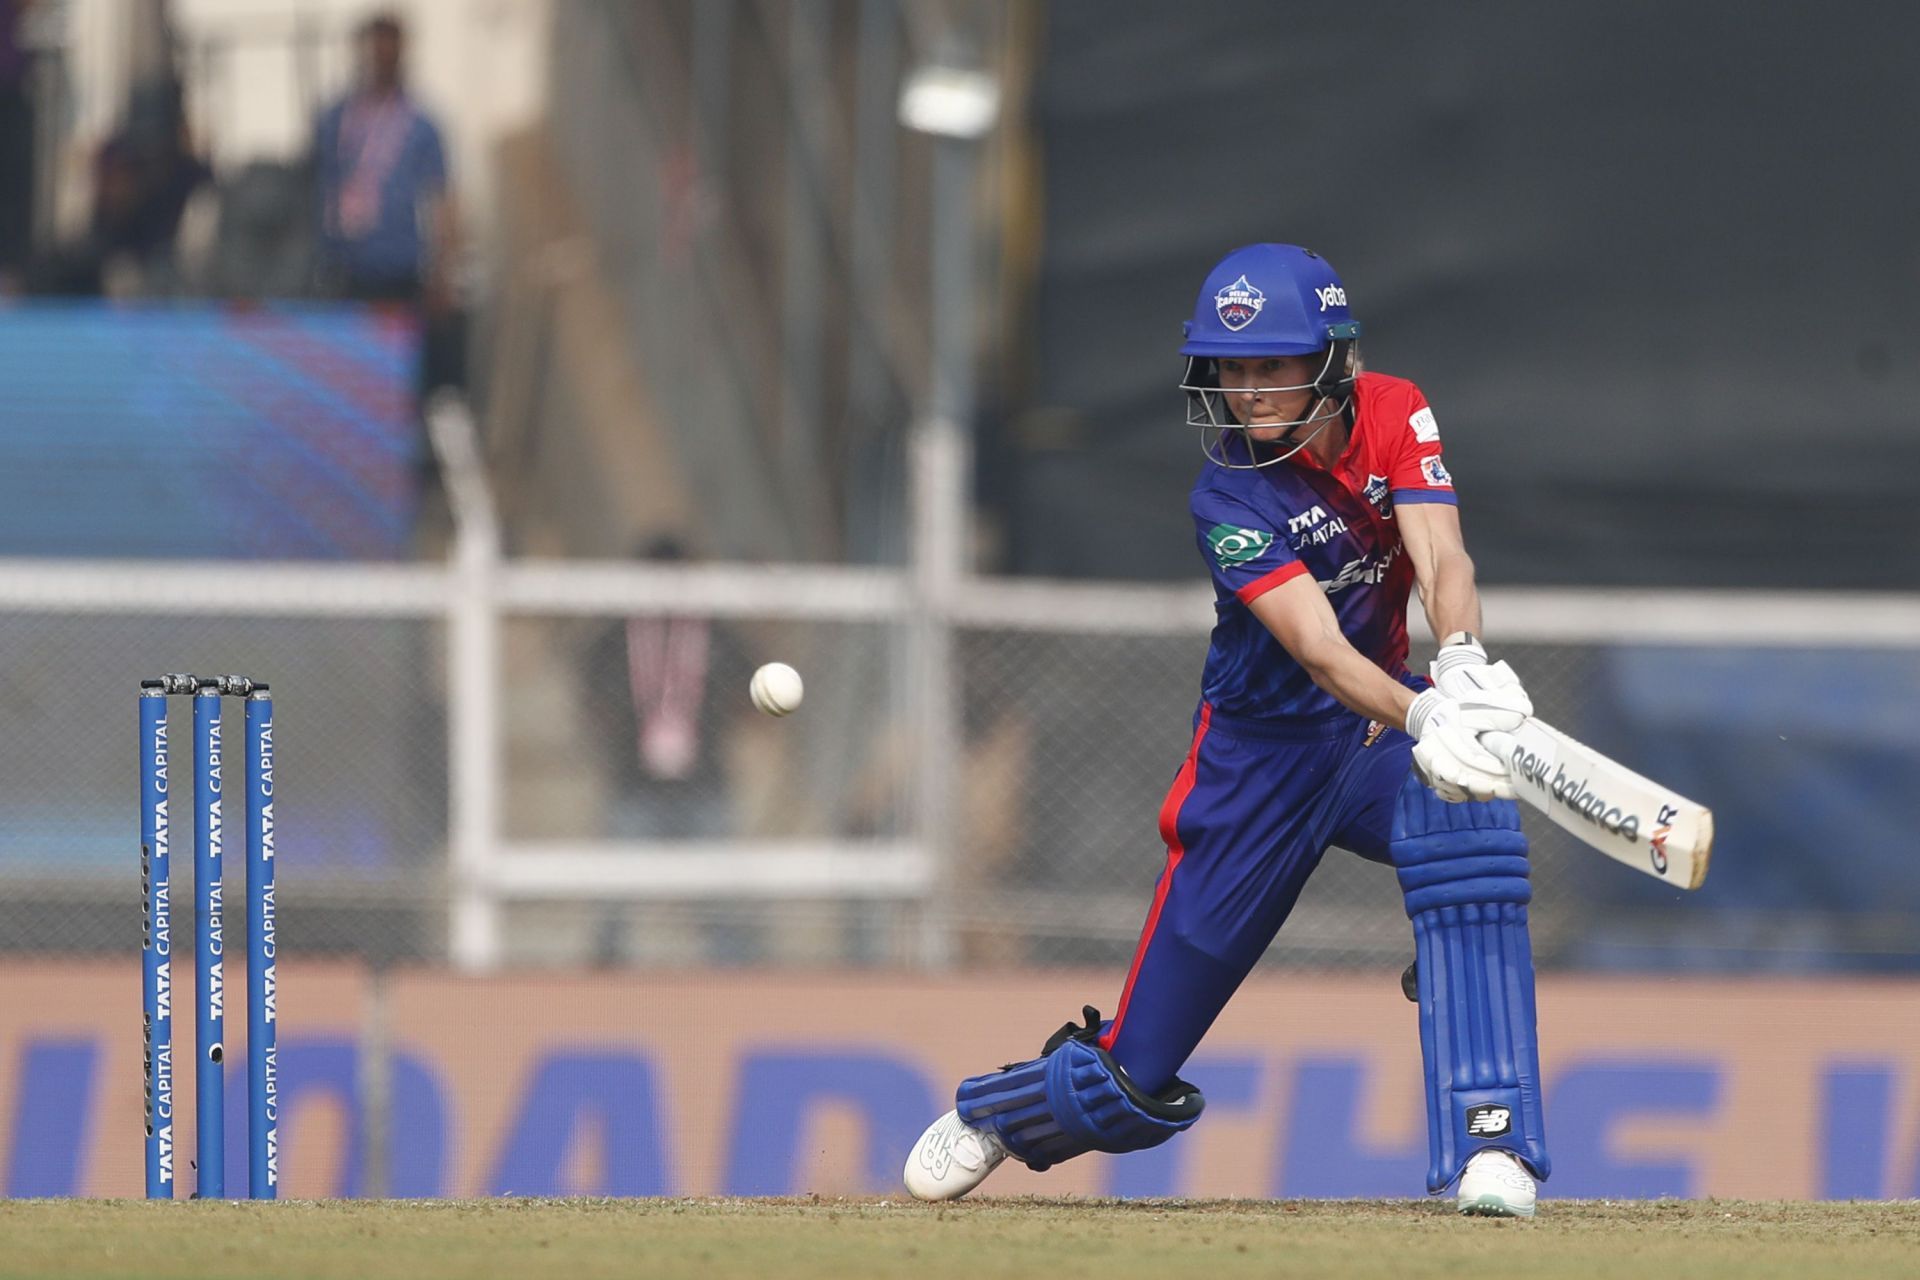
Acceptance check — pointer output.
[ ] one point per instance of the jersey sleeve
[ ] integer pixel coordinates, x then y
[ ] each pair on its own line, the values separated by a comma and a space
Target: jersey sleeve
1416, 472
1246, 555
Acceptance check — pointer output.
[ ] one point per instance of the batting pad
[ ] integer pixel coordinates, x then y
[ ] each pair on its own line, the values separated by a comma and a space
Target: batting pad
1463, 870
1073, 1100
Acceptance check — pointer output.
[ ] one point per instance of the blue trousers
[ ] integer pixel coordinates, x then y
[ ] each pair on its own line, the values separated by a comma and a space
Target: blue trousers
1251, 812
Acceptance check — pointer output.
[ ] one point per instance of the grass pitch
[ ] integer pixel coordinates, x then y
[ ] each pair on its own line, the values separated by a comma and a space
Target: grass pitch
854, 1238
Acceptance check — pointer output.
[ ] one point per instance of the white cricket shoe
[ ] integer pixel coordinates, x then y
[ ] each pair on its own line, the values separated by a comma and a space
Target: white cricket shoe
951, 1159
1496, 1185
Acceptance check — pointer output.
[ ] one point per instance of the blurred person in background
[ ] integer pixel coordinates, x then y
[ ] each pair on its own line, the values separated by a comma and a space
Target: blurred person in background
657, 687
145, 177
657, 697
16, 146
388, 226
1323, 503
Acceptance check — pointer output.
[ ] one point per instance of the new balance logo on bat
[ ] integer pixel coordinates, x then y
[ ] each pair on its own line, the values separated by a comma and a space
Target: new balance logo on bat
1575, 794
1604, 804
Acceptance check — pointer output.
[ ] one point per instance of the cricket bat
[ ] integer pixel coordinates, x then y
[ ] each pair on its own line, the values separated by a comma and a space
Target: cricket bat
1629, 818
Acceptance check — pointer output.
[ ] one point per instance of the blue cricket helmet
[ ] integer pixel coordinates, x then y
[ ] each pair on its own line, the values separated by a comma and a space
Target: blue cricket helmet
1270, 300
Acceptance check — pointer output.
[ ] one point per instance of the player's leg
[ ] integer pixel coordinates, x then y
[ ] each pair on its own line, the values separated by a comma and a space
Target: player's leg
1245, 824
1239, 854
1463, 871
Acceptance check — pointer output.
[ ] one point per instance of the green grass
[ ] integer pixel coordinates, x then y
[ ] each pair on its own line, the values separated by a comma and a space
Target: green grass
970, 1240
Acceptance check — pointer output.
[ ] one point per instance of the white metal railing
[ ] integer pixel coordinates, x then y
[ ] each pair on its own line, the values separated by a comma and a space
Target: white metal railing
475, 591
1534, 615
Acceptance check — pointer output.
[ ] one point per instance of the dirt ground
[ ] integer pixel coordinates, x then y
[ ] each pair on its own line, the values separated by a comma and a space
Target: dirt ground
838, 1238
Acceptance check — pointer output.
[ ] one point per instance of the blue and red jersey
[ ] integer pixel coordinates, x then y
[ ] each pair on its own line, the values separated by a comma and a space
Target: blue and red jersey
1260, 528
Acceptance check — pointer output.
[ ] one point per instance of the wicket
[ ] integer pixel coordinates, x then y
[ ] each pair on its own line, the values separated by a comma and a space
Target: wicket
263, 1113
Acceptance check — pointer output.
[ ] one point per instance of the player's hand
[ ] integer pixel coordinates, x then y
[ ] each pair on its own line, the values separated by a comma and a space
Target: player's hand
1490, 692
1447, 753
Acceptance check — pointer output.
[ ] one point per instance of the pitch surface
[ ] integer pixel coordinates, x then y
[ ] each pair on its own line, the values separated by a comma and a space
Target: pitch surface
843, 1238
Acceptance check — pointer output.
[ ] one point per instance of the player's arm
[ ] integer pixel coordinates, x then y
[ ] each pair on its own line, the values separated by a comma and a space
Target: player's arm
1303, 622
1444, 573
1446, 753
1441, 567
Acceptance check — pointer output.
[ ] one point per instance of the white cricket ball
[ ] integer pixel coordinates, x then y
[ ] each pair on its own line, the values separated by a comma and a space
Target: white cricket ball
776, 689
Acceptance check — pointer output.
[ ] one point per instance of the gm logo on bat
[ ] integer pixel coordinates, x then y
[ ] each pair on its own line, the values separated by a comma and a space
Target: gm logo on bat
1662, 828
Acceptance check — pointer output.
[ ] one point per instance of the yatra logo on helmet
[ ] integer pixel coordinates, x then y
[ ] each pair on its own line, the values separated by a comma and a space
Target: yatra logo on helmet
1331, 296
1233, 545
1239, 303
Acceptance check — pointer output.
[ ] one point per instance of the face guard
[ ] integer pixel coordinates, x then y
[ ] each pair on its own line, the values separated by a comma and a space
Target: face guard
1223, 437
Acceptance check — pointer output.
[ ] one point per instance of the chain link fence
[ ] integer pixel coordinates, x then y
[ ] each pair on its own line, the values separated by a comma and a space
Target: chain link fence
635, 729
365, 750
638, 729
1079, 736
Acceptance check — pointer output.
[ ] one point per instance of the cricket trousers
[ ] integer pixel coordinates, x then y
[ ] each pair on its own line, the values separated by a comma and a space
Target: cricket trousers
1252, 810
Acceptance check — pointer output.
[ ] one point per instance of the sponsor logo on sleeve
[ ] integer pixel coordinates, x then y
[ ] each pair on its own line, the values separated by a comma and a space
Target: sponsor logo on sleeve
1436, 473
1425, 429
1239, 303
1234, 545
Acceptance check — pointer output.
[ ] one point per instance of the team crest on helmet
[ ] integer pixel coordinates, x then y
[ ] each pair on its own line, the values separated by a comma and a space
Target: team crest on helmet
1238, 304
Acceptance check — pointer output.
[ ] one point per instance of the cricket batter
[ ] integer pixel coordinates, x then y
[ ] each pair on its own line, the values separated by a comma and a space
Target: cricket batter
1323, 502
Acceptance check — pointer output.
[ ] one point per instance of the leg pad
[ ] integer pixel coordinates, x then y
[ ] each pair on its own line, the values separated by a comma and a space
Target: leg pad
1074, 1099
1463, 870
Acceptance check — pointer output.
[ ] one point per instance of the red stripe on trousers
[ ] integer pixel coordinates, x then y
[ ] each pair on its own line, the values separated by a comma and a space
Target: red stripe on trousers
1169, 832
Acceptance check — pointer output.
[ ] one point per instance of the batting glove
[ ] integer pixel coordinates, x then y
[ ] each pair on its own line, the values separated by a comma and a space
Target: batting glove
1491, 691
1447, 753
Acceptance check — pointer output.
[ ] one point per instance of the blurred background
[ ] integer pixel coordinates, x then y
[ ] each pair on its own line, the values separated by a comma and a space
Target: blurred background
504, 380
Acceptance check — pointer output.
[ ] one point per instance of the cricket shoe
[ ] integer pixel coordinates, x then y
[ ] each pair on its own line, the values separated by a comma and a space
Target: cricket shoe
951, 1159
1496, 1185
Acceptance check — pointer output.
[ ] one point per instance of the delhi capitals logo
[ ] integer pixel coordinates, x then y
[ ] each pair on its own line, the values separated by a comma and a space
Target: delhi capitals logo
1238, 304
1379, 495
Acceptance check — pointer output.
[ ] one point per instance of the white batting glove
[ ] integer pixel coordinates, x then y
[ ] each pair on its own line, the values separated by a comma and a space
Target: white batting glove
1491, 692
1447, 753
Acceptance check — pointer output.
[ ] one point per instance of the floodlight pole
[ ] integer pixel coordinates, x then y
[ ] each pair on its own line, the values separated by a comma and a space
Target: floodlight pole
956, 107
